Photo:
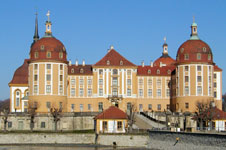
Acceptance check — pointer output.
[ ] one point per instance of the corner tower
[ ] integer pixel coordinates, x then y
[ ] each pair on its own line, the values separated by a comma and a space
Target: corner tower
48, 72
194, 75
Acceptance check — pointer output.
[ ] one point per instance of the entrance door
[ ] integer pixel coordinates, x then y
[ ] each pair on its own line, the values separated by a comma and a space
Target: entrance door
116, 104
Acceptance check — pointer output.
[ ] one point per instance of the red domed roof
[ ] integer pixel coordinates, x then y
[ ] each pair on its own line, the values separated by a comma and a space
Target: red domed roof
21, 74
194, 51
41, 48
165, 59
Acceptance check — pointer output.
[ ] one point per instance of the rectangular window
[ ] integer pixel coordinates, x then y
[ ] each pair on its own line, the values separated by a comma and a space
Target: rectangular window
149, 92
35, 89
186, 57
159, 92
140, 92
10, 124
100, 81
210, 91
48, 66
159, 82
72, 91
128, 92
43, 125
199, 68
186, 68
215, 84
198, 56
210, 79
101, 71
48, 77
199, 90
128, 72
159, 107
72, 81
215, 94
140, 81
61, 67
81, 107
25, 103
60, 105
186, 79
167, 92
36, 66
100, 106
186, 90
128, 81
199, 78
89, 107
141, 107
149, 82
214, 75
105, 125
115, 92
186, 105
115, 81
149, 106
72, 107
61, 77
89, 81
48, 88
36, 77
100, 92
48, 105
17, 101
119, 125
89, 92
81, 92
61, 89
81, 82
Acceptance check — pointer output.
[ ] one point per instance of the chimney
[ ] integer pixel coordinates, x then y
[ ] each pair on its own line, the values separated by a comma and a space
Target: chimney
83, 62
151, 64
142, 63
76, 62
69, 63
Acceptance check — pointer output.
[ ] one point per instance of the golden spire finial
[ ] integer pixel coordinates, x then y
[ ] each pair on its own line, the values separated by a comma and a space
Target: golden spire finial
164, 39
48, 14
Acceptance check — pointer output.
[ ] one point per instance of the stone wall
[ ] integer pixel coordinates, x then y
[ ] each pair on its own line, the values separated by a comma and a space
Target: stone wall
67, 122
167, 140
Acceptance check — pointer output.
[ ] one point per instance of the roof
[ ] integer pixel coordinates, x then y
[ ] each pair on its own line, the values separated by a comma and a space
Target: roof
216, 68
192, 48
153, 71
21, 74
80, 70
219, 114
164, 59
112, 113
115, 59
48, 44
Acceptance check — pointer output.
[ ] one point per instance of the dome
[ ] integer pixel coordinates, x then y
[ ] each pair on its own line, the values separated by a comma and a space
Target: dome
166, 60
48, 48
194, 51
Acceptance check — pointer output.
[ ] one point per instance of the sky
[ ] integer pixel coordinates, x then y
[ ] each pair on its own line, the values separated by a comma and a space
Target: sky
87, 28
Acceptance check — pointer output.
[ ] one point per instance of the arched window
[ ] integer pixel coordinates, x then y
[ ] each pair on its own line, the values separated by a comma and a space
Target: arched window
72, 70
149, 71
209, 56
198, 56
115, 71
42, 47
48, 54
158, 71
81, 70
108, 62
61, 55
168, 71
17, 98
121, 62
36, 54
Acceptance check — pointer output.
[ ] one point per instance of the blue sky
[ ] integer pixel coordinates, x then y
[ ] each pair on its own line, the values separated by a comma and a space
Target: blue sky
87, 28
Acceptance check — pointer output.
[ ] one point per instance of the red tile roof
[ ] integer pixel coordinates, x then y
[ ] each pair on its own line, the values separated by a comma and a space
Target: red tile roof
167, 60
21, 74
219, 114
152, 71
216, 68
76, 70
112, 113
192, 47
114, 58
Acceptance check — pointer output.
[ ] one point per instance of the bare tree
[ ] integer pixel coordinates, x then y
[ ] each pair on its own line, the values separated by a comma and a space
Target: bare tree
131, 116
56, 113
224, 102
205, 113
5, 117
32, 107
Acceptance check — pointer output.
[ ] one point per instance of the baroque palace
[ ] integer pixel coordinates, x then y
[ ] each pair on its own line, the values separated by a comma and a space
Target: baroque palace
49, 80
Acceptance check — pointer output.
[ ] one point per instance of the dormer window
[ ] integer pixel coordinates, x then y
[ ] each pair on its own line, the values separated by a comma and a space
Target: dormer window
209, 56
61, 55
149, 71
198, 56
63, 48
72, 70
42, 47
186, 56
48, 54
182, 50
36, 54
81, 70
121, 62
158, 71
168, 71
204, 49
108, 62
